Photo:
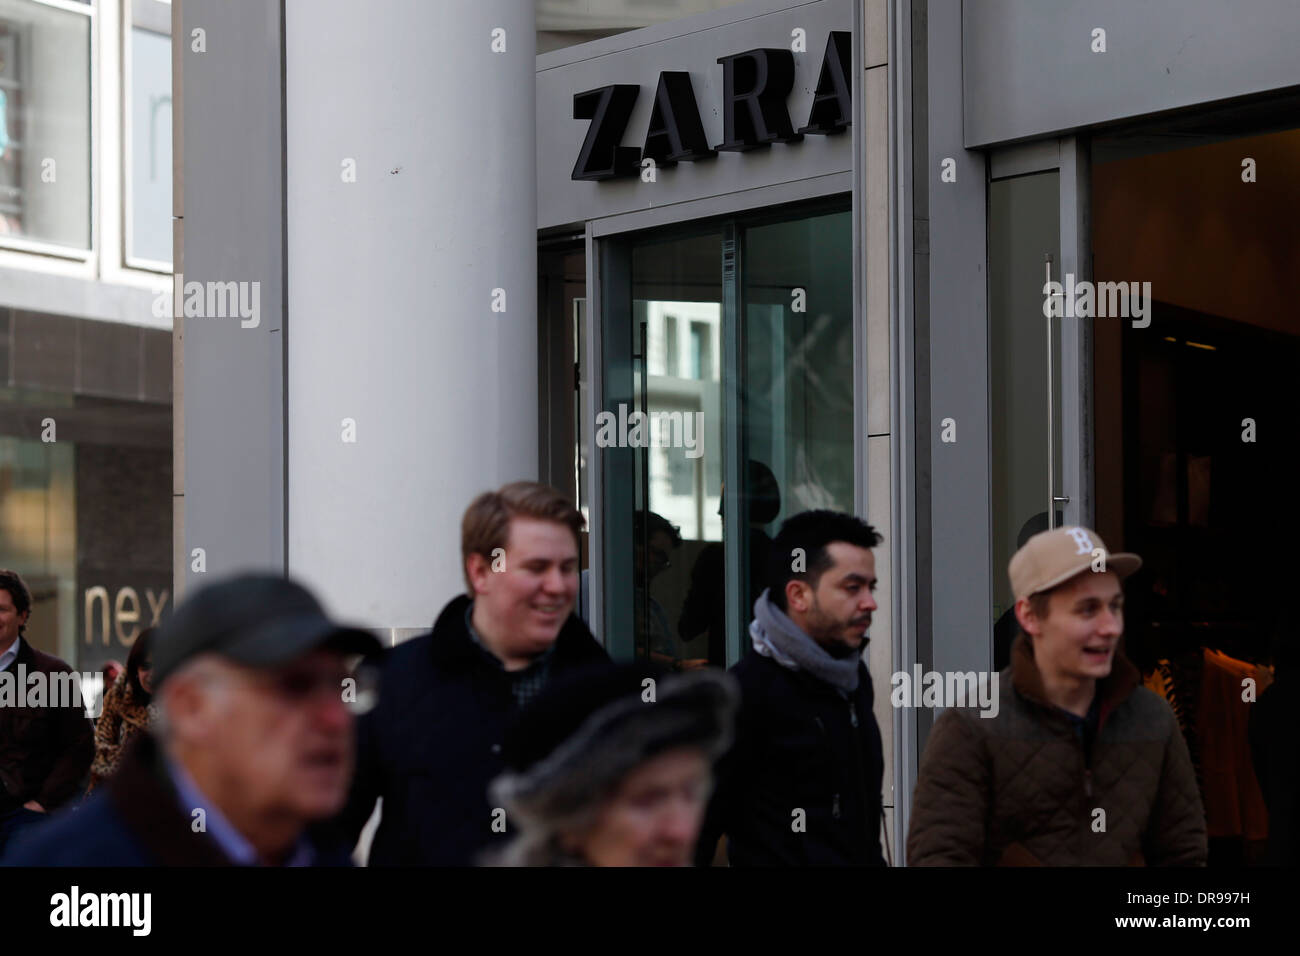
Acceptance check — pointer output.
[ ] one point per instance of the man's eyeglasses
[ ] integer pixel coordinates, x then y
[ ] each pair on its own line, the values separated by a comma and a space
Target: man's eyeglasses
358, 689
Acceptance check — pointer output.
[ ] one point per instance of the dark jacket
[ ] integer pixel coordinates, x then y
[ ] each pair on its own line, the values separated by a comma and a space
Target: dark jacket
44, 751
432, 744
134, 819
1274, 724
800, 746
1022, 788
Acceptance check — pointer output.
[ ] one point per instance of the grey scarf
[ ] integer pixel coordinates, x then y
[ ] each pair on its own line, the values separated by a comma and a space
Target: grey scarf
774, 635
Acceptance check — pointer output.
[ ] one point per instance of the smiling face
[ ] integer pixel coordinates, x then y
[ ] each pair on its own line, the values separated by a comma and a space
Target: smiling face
836, 613
655, 815
11, 621
1076, 639
522, 604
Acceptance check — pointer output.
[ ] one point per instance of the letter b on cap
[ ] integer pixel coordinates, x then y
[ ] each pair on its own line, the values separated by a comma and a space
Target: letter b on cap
1080, 536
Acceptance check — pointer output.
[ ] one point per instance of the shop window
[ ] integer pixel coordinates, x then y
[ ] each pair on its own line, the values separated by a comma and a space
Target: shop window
148, 119
45, 151
86, 480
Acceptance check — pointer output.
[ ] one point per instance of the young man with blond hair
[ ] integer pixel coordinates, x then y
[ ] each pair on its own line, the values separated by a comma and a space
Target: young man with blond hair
433, 743
1081, 766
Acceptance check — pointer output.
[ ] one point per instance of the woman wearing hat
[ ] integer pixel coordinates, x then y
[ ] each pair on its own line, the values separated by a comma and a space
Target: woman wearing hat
614, 767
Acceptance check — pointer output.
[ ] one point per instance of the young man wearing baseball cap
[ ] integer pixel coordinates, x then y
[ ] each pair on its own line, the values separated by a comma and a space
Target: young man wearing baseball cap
255, 742
1081, 765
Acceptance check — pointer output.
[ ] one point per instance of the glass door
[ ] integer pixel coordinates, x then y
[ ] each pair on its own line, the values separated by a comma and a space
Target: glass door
727, 405
1038, 441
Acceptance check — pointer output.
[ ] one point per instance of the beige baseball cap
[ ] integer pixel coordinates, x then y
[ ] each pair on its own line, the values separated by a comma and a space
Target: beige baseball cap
1052, 557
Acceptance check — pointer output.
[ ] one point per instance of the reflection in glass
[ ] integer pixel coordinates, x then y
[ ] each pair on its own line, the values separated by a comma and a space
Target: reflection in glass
677, 325
797, 411
150, 236
1024, 228
44, 124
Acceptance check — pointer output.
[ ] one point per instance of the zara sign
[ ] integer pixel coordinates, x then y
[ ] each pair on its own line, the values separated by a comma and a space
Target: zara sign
755, 87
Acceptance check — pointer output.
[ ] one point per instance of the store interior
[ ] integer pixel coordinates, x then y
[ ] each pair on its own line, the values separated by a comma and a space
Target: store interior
1194, 431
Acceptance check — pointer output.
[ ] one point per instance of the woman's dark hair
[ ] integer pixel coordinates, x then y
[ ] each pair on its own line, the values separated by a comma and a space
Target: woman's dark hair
141, 652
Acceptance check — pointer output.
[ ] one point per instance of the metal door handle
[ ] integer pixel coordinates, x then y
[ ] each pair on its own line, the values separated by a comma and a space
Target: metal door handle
1051, 415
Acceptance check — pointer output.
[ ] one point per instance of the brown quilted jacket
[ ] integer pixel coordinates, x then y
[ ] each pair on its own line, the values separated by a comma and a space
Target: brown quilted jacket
1016, 789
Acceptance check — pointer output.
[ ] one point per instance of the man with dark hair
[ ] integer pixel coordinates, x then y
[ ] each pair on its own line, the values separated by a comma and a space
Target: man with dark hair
45, 751
801, 786
432, 745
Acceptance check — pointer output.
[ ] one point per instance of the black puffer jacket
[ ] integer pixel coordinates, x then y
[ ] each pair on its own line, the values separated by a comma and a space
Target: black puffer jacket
800, 746
433, 743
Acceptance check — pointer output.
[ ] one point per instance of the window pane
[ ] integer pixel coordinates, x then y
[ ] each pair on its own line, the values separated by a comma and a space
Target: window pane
86, 480
797, 297
1024, 227
150, 234
44, 124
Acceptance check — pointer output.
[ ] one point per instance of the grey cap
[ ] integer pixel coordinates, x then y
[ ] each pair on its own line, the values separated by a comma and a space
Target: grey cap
259, 620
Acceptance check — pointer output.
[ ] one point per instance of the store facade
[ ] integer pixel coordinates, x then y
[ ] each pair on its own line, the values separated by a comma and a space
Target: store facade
1092, 262
1040, 240
703, 191
86, 451
759, 257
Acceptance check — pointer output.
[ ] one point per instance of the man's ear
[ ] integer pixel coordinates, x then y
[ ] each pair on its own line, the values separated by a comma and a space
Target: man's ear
480, 572
798, 595
1025, 615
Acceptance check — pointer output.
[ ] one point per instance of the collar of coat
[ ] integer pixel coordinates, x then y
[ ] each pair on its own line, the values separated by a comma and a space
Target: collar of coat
142, 793
34, 659
148, 804
453, 646
1112, 690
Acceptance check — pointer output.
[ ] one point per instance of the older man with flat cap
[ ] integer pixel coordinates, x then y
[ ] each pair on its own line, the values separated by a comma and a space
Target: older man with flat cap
1080, 765
254, 743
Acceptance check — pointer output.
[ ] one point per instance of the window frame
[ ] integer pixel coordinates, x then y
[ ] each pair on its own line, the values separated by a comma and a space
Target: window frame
53, 249
128, 26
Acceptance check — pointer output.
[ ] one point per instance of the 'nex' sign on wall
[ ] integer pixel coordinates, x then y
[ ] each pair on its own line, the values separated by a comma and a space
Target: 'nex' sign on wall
689, 109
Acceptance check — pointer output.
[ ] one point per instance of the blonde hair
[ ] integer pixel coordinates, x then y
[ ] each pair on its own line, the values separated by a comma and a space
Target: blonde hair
486, 525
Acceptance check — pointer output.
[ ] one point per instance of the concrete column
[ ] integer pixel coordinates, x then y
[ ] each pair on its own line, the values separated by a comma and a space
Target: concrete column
411, 333
229, 200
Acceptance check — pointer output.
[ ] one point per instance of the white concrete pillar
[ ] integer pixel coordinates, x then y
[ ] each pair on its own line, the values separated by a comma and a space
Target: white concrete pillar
411, 326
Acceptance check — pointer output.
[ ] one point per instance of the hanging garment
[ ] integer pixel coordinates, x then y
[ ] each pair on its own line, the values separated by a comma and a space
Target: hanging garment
1234, 805
1179, 683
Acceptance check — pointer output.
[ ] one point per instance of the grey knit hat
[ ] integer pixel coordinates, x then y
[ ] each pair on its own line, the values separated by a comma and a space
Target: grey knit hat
569, 750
